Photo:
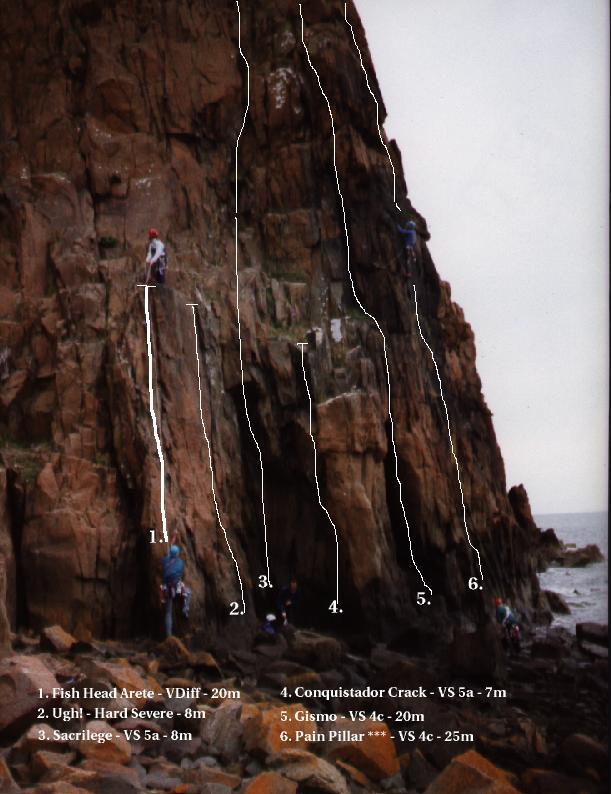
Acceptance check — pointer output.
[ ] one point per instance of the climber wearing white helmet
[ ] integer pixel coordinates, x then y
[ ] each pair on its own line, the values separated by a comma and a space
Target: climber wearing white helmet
156, 259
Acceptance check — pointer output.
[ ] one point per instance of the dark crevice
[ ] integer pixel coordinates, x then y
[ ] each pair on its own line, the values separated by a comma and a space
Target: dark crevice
16, 509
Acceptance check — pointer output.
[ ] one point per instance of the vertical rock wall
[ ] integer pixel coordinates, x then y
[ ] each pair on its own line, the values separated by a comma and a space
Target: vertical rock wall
118, 116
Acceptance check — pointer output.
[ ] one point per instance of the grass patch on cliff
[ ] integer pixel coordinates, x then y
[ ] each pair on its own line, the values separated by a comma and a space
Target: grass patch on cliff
107, 241
292, 333
355, 313
103, 459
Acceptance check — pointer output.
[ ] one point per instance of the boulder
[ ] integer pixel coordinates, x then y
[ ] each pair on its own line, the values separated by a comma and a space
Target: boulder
54, 638
557, 603
263, 724
163, 781
354, 774
579, 558
549, 647
202, 660
420, 773
111, 776
122, 675
59, 787
315, 650
375, 755
115, 750
22, 678
593, 651
546, 781
38, 737
47, 763
174, 653
144, 726
223, 731
471, 772
7, 782
271, 783
581, 753
208, 774
310, 772
477, 655
597, 633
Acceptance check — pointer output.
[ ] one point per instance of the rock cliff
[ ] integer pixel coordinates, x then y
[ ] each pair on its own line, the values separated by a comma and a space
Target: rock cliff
116, 116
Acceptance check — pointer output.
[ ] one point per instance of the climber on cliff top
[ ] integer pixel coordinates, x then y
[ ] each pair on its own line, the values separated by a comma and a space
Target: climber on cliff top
156, 259
409, 238
172, 569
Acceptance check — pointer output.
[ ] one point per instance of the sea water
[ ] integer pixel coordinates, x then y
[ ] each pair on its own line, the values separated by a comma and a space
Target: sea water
584, 589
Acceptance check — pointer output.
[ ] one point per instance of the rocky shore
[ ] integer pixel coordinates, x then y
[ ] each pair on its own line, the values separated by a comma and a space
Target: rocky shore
554, 552
533, 723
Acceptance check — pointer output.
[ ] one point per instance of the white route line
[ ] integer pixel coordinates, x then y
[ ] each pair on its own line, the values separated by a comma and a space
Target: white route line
394, 176
147, 287
302, 345
371, 317
462, 496
237, 290
201, 416
394, 182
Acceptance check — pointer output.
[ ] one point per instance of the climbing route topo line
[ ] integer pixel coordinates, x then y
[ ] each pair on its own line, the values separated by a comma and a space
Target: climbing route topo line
237, 287
394, 176
203, 423
371, 317
462, 498
445, 407
149, 348
303, 345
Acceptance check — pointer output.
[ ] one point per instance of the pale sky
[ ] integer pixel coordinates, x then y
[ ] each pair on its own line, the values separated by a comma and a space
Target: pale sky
501, 112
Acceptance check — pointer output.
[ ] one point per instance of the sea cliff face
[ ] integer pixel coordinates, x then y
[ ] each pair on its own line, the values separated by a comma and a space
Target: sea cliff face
116, 117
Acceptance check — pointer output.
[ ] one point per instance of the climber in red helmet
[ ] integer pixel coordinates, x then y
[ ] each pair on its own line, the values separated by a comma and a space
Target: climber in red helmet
156, 259
509, 624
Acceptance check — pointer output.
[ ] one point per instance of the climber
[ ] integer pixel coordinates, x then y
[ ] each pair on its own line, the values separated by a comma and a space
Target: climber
288, 599
509, 623
268, 628
504, 615
172, 569
156, 258
409, 238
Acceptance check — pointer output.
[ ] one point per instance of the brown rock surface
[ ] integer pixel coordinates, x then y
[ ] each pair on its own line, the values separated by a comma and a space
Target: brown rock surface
123, 676
264, 723
597, 633
115, 750
45, 762
546, 781
471, 772
111, 127
583, 753
54, 638
8, 784
376, 756
311, 773
21, 680
271, 783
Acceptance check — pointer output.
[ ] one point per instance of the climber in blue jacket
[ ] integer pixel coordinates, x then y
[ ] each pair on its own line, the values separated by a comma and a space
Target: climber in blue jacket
410, 239
172, 569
